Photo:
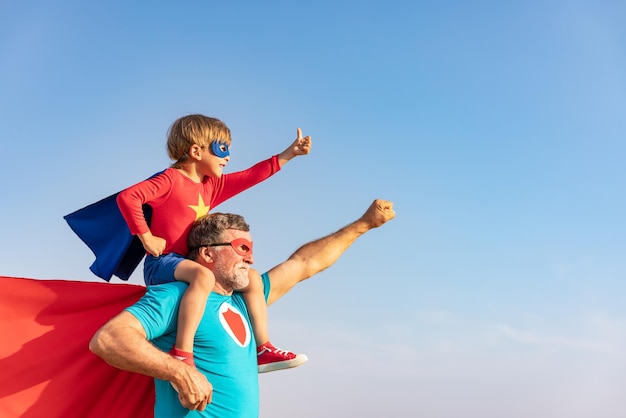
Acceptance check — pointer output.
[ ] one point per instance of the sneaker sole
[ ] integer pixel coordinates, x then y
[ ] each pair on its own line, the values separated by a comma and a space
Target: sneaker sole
282, 365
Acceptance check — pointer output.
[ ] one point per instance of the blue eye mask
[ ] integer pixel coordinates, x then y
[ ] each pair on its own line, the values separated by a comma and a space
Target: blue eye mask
220, 149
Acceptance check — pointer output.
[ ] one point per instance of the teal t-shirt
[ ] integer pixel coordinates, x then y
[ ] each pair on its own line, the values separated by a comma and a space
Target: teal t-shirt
224, 350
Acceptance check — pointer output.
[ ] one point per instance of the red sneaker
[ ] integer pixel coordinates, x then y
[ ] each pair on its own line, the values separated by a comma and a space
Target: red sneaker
271, 358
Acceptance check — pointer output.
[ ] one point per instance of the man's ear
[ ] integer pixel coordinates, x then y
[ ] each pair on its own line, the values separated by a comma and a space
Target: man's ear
195, 152
206, 255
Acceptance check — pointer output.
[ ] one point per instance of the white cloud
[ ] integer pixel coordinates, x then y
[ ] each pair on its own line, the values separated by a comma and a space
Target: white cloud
438, 364
556, 342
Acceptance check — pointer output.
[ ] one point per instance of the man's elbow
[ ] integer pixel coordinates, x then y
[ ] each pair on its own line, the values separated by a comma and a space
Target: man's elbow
311, 267
303, 267
98, 343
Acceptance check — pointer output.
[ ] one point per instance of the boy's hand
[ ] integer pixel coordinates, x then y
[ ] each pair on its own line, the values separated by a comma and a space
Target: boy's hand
152, 244
301, 146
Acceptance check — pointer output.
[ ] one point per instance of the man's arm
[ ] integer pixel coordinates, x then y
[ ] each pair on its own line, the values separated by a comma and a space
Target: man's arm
320, 254
122, 343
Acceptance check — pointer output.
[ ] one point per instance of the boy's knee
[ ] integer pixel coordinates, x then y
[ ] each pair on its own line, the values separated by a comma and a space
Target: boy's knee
207, 276
255, 282
204, 279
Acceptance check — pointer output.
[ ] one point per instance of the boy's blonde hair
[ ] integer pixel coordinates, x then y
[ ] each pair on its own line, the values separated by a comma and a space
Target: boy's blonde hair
194, 129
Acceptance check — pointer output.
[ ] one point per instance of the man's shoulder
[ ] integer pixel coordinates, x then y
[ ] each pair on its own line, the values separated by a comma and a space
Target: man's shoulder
171, 287
157, 309
267, 284
172, 290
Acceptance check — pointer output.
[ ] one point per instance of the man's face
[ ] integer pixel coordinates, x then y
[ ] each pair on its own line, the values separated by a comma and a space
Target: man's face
229, 266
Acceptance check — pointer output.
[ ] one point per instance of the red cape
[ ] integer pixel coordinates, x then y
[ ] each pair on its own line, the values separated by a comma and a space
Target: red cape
46, 368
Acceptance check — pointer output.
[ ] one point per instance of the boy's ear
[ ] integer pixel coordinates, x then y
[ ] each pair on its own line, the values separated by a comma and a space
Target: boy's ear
195, 152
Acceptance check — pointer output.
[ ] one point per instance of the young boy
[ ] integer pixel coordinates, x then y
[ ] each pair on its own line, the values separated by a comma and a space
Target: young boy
194, 184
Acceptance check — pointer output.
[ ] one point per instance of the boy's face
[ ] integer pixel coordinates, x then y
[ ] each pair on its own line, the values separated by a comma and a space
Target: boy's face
213, 164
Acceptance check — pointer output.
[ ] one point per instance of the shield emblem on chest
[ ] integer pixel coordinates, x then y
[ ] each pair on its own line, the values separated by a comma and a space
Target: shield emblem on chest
235, 324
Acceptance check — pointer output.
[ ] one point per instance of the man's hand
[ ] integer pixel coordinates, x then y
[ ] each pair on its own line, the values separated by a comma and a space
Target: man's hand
379, 212
194, 390
122, 342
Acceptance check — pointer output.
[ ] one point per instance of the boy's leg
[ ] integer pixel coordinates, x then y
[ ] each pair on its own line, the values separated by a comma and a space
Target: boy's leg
257, 308
269, 357
192, 305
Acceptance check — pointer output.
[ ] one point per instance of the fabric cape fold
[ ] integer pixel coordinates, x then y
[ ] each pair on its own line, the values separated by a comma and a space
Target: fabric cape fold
46, 368
103, 229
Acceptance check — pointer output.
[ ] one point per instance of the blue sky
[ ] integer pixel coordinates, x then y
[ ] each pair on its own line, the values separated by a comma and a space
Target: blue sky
496, 129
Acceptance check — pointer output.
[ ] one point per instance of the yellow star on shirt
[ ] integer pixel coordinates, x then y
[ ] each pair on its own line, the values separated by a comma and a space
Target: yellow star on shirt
201, 209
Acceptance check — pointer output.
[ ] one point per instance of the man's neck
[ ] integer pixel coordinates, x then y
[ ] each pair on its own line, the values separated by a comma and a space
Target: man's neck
218, 288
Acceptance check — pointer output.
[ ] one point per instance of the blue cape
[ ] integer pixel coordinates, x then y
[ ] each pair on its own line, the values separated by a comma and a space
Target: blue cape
104, 230
102, 227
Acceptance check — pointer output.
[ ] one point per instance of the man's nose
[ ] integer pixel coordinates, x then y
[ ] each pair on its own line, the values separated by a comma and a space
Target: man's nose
248, 258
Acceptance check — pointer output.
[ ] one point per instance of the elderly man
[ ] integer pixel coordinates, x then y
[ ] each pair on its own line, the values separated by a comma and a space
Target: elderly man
225, 383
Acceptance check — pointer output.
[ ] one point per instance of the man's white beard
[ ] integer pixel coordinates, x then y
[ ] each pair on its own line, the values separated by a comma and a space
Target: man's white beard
240, 277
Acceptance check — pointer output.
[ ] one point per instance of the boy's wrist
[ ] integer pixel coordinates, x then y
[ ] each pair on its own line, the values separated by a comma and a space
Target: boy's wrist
145, 236
285, 156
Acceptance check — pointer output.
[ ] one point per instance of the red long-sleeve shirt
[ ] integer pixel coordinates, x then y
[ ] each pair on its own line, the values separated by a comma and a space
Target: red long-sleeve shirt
177, 201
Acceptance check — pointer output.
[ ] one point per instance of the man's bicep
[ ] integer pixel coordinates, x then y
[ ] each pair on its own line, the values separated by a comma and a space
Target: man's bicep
283, 277
115, 333
129, 321
123, 325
